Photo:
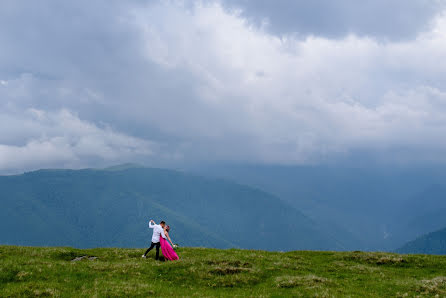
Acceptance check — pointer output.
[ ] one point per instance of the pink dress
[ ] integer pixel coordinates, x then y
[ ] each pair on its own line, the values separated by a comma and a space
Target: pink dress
167, 250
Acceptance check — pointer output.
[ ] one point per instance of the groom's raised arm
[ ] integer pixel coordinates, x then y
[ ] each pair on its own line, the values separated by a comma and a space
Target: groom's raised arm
151, 224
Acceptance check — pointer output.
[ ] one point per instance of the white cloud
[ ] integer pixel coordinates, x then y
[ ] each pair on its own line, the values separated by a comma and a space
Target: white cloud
61, 139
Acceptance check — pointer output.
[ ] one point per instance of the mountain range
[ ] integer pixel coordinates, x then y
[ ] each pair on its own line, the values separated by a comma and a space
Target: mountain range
112, 207
366, 208
245, 206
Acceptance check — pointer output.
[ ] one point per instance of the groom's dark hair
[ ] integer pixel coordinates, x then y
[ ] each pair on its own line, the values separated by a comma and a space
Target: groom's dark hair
162, 222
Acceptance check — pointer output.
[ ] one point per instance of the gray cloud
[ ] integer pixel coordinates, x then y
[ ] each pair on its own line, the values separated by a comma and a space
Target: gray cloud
384, 19
164, 83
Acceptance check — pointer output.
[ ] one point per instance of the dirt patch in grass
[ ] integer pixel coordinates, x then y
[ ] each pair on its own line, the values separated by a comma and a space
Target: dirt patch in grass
67, 255
72, 255
227, 267
77, 259
308, 281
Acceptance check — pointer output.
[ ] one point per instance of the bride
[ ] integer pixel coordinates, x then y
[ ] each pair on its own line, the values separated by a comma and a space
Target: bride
166, 249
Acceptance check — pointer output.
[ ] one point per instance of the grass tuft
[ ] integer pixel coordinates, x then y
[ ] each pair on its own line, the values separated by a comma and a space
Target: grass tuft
228, 270
309, 281
434, 286
377, 258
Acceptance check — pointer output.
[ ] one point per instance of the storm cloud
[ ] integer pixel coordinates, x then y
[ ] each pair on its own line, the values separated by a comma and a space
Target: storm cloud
90, 83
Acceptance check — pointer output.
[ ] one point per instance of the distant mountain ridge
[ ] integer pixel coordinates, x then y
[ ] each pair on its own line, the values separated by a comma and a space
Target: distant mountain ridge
124, 166
431, 243
111, 207
367, 208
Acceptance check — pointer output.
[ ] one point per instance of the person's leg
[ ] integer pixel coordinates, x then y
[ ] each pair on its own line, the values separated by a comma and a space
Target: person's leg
157, 251
150, 248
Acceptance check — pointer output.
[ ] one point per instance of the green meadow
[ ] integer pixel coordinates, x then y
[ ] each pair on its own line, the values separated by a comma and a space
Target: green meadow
51, 271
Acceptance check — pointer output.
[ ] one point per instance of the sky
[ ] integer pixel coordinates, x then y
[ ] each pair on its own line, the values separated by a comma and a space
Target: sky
165, 83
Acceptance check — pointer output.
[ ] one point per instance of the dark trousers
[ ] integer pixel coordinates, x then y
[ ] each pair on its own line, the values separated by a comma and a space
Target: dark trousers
157, 249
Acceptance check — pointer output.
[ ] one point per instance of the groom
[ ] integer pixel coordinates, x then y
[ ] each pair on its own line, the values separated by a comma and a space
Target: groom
158, 230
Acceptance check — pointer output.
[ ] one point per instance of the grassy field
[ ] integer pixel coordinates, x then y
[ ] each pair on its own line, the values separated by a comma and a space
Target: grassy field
29, 271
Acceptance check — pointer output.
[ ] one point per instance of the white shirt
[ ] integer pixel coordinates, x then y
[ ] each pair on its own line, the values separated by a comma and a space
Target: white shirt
157, 231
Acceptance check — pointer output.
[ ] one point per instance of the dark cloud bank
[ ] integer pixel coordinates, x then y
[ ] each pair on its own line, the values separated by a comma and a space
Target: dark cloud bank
90, 83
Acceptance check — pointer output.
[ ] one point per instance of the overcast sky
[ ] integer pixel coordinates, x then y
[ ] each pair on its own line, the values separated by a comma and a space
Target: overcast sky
94, 83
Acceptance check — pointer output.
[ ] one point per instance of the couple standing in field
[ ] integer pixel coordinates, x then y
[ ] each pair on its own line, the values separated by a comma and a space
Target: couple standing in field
159, 239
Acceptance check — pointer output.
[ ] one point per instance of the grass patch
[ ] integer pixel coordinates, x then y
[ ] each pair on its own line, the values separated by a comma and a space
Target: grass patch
51, 271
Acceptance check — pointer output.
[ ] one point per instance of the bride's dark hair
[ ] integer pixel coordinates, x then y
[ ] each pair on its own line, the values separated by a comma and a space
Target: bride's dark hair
168, 229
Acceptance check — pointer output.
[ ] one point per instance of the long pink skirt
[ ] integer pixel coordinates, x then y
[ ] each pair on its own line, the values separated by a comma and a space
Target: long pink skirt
167, 250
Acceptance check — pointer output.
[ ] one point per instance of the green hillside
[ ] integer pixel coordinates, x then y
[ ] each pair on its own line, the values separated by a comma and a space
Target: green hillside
32, 271
111, 208
432, 243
